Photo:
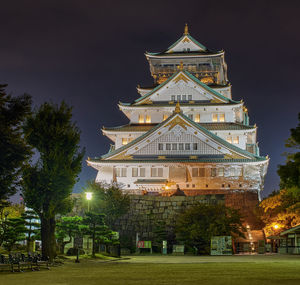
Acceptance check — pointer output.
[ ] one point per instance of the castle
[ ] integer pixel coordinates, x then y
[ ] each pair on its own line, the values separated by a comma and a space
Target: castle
186, 132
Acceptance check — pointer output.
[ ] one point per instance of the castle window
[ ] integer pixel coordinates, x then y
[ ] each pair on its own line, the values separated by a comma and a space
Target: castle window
142, 172
174, 146
195, 172
222, 117
173, 98
213, 172
195, 146
156, 172
221, 171
148, 119
141, 119
229, 139
187, 185
235, 140
197, 118
134, 172
190, 116
124, 141
121, 172
190, 97
215, 118
168, 146
160, 146
198, 172
187, 146
178, 97
181, 146
202, 172
218, 117
183, 97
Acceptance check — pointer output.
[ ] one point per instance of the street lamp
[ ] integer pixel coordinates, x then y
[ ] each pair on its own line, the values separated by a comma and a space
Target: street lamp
88, 196
276, 227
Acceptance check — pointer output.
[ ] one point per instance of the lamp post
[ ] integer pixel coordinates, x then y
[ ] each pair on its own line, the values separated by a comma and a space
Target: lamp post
88, 196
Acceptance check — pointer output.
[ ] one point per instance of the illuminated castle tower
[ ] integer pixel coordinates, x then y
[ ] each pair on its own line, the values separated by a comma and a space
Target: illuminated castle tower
186, 131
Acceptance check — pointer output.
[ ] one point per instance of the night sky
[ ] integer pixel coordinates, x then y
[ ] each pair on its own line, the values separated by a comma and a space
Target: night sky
91, 54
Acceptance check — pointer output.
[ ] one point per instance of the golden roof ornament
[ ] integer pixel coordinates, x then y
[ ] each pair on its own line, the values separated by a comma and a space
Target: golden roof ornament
177, 108
186, 30
180, 67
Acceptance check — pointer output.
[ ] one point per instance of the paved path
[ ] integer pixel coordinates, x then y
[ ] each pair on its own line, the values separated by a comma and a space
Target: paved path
210, 259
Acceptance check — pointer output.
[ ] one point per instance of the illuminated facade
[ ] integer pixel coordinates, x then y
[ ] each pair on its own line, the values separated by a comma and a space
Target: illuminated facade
185, 131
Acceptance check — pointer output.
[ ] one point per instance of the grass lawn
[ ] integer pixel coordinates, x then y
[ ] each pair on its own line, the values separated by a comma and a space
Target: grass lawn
167, 270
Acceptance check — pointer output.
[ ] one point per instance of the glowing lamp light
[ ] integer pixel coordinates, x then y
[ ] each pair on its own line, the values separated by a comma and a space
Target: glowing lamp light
167, 187
88, 195
276, 227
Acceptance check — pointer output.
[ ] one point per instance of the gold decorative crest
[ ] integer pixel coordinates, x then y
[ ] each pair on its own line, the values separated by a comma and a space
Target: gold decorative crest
177, 121
181, 77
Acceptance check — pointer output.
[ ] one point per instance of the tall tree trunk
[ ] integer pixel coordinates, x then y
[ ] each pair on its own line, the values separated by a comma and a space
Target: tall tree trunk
48, 237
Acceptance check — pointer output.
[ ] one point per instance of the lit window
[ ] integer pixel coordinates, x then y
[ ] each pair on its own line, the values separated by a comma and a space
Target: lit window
190, 97
165, 117
183, 97
160, 146
218, 117
124, 141
148, 119
195, 172
124, 172
213, 172
187, 146
181, 146
141, 119
134, 172
142, 172
221, 171
174, 146
235, 140
156, 172
229, 139
168, 146
215, 118
222, 117
201, 172
195, 146
173, 98
197, 118
121, 172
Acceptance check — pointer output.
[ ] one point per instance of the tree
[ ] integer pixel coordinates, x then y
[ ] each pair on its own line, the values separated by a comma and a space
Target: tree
69, 227
10, 211
48, 183
110, 200
32, 228
14, 230
290, 172
97, 230
282, 208
13, 149
199, 223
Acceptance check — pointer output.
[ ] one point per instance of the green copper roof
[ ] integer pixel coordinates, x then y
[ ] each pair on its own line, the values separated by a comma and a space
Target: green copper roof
162, 161
192, 77
182, 104
208, 126
198, 126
